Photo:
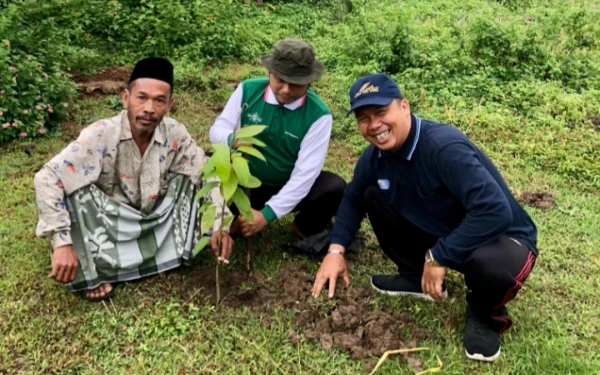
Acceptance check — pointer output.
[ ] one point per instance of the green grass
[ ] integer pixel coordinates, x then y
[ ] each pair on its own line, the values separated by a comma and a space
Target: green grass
158, 328
535, 128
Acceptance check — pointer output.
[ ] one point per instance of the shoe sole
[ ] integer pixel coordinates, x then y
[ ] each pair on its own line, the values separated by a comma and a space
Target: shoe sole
481, 357
409, 294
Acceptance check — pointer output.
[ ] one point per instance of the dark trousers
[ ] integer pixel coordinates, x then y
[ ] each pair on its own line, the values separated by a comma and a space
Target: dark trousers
315, 211
494, 272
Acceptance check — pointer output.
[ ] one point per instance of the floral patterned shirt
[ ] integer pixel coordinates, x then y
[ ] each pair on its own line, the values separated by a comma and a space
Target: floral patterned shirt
106, 155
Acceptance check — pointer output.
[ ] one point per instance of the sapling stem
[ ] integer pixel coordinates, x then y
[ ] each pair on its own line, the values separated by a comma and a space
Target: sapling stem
218, 287
248, 247
220, 246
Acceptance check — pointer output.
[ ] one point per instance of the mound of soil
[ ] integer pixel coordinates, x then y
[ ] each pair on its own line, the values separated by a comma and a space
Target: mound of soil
107, 81
537, 199
348, 323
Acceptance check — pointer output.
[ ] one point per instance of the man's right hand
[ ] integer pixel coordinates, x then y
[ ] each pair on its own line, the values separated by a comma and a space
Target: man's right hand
64, 264
333, 266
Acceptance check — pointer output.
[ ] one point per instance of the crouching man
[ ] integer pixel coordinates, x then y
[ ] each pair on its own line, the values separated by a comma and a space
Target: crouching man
435, 201
118, 203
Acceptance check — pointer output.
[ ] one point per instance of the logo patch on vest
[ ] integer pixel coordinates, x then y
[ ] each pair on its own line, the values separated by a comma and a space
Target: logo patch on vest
254, 118
383, 184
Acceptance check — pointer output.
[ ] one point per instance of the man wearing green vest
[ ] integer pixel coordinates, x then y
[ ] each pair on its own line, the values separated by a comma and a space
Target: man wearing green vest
297, 138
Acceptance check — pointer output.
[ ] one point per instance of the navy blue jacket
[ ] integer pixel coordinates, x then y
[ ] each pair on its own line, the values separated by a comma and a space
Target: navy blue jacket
442, 183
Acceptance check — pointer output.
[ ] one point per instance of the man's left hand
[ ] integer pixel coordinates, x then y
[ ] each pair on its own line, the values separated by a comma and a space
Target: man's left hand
251, 228
433, 278
222, 248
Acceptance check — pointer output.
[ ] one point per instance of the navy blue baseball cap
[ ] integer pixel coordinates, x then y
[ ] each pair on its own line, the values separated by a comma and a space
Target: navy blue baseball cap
374, 89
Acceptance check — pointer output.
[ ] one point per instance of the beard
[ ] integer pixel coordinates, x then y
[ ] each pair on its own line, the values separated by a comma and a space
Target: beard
143, 129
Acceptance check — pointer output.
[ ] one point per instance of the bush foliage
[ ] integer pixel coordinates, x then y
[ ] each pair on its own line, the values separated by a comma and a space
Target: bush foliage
514, 63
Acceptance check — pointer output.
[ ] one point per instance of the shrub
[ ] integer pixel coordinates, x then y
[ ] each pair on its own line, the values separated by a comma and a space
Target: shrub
32, 97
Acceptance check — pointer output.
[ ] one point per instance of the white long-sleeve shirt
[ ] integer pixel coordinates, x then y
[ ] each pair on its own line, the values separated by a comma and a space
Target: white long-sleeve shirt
313, 149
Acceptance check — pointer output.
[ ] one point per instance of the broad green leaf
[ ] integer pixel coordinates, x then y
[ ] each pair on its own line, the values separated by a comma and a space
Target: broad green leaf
206, 188
222, 162
249, 131
253, 183
253, 152
209, 175
204, 207
240, 166
208, 167
201, 244
254, 141
208, 219
229, 186
226, 221
243, 204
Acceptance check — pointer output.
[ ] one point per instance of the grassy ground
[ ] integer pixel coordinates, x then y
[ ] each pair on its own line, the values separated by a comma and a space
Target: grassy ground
163, 325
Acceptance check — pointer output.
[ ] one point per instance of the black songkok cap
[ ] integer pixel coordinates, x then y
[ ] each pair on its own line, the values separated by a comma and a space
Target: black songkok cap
155, 68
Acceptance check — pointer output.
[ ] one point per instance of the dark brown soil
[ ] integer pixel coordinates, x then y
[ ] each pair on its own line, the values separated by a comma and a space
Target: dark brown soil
595, 121
70, 131
107, 81
217, 108
538, 199
349, 323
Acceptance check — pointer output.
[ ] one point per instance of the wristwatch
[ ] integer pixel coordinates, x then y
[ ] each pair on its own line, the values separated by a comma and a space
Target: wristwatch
335, 251
430, 260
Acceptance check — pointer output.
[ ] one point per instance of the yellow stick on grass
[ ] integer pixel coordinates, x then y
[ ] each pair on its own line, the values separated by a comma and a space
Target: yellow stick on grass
398, 351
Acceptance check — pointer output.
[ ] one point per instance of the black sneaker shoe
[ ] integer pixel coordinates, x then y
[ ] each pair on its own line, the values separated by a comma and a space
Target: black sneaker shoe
482, 342
396, 285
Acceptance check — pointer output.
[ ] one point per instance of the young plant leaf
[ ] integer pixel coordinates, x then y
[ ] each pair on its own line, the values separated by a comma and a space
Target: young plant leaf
226, 221
204, 207
206, 188
208, 218
249, 131
253, 183
222, 162
240, 166
254, 141
208, 167
229, 186
201, 244
253, 152
209, 175
243, 204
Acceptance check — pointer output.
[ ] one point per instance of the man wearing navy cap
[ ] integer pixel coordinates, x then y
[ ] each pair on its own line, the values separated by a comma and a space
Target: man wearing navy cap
435, 201
118, 203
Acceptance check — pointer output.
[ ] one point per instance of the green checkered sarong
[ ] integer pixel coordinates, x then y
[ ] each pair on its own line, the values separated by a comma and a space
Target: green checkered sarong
115, 242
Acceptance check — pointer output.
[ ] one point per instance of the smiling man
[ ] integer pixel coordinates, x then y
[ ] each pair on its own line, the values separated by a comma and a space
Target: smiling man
296, 142
118, 203
435, 201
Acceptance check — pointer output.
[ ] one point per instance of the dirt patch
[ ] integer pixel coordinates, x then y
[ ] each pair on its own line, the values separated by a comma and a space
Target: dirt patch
538, 199
595, 121
70, 131
107, 81
351, 324
348, 322
237, 289
217, 108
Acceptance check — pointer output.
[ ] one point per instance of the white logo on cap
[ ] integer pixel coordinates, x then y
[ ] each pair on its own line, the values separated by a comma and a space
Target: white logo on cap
365, 89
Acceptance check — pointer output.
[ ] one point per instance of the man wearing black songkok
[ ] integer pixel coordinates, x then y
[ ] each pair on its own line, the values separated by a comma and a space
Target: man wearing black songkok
118, 203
